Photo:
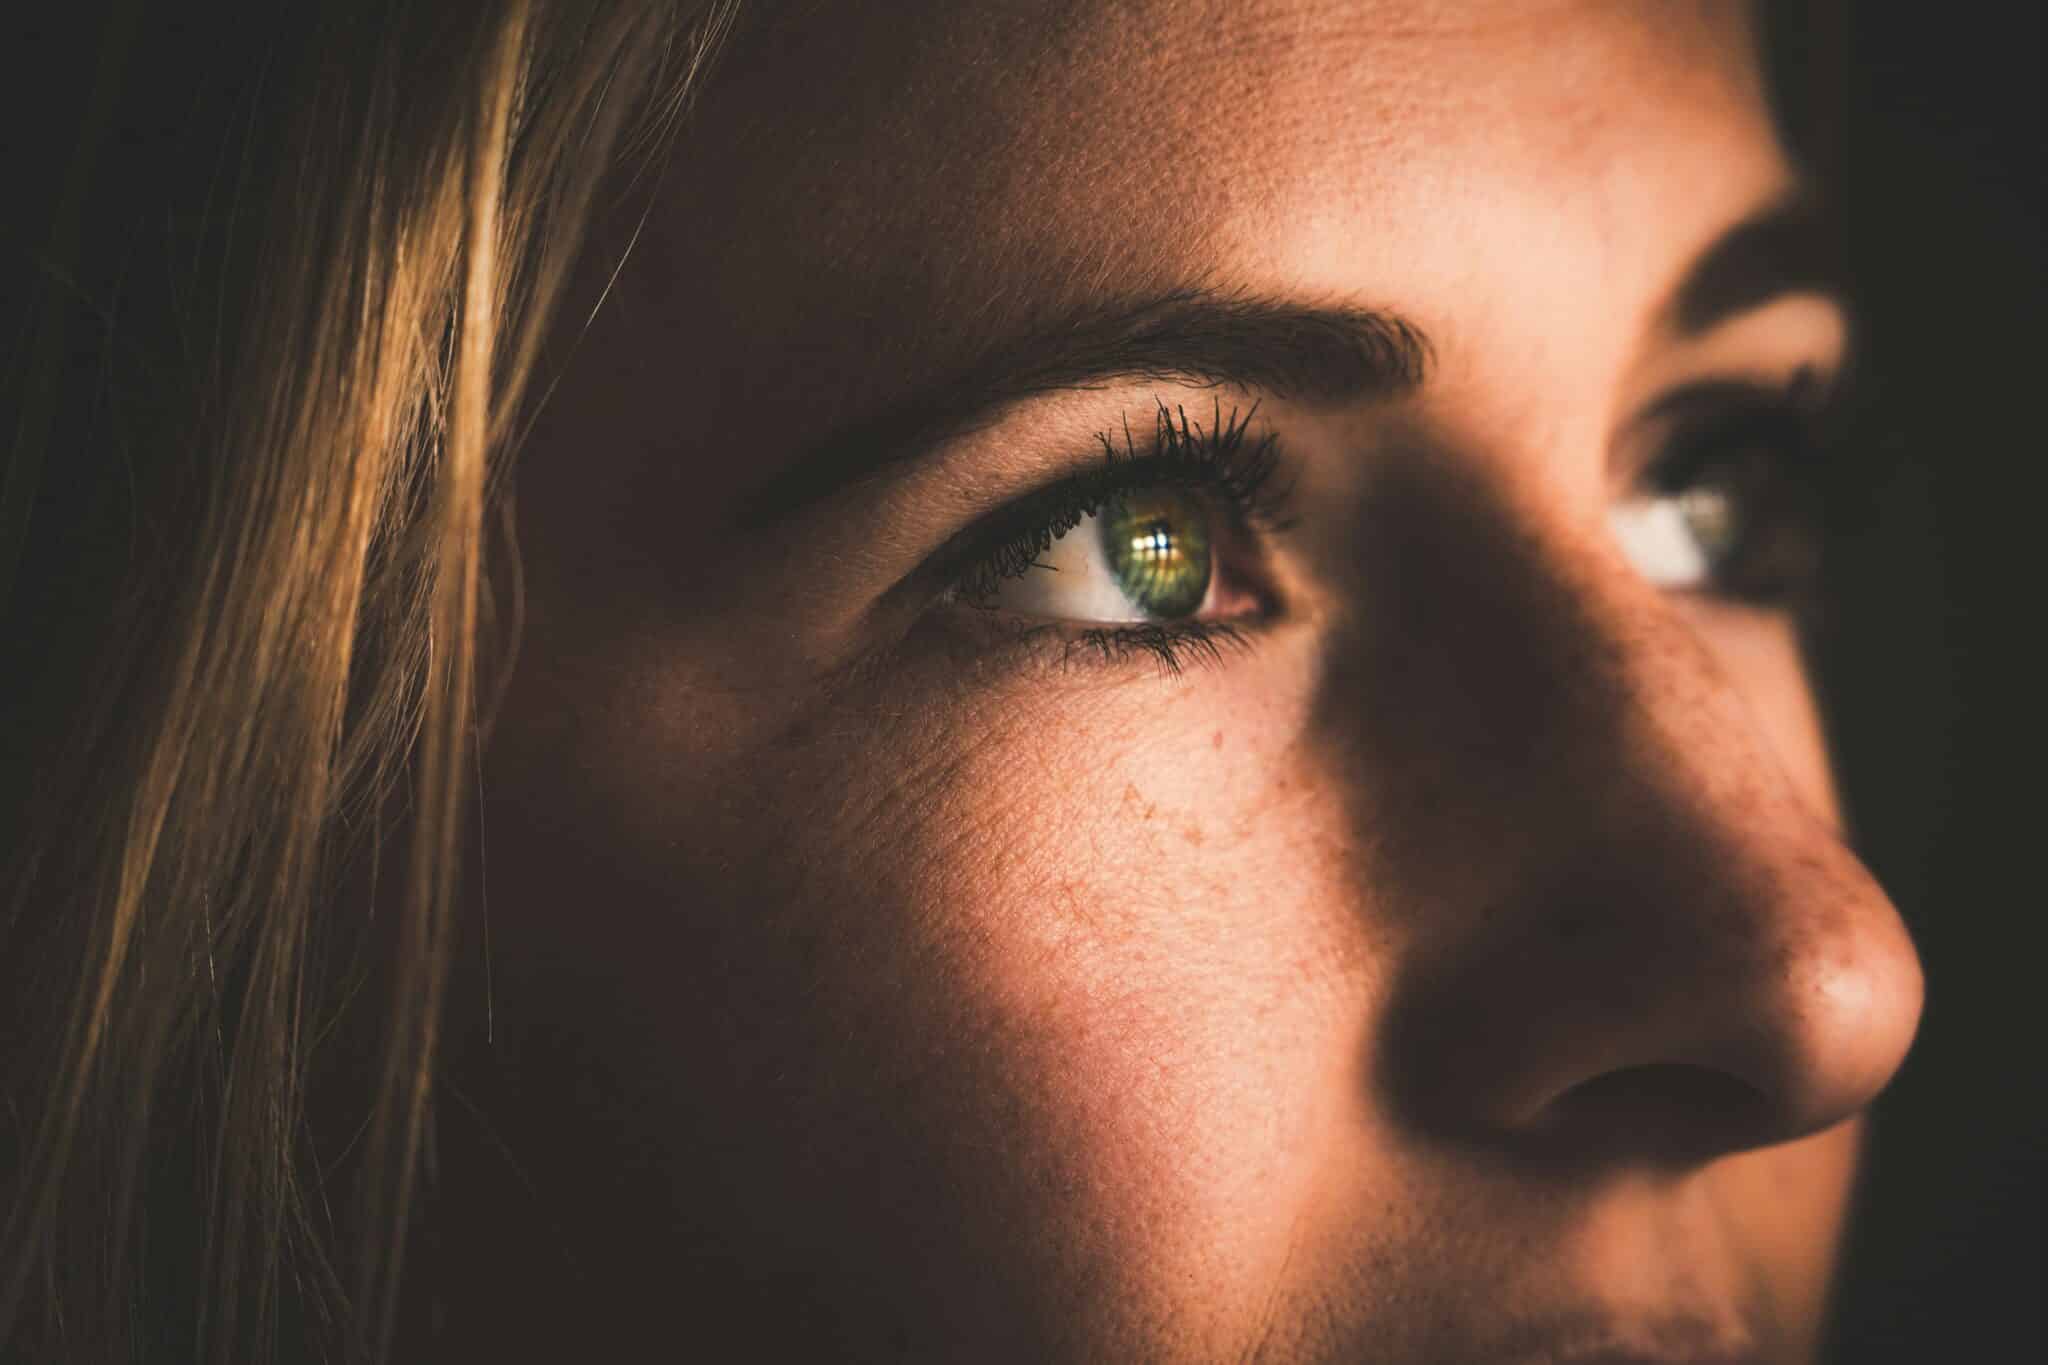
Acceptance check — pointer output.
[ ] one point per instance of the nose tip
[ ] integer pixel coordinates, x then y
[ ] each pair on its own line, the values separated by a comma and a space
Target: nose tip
1645, 933
1847, 1017
1779, 1001
1739, 1046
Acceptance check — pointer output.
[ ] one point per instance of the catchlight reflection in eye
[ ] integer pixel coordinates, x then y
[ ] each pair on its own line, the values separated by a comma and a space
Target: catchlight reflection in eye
1145, 556
1157, 546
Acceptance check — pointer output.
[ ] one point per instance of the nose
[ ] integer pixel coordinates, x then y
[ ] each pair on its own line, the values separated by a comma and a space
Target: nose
1641, 937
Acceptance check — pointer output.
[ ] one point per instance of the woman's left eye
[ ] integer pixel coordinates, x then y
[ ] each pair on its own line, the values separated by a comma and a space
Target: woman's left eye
1733, 511
1682, 540
1146, 556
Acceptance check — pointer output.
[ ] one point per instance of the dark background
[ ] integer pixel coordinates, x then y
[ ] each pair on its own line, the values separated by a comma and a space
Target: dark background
1928, 128
1926, 122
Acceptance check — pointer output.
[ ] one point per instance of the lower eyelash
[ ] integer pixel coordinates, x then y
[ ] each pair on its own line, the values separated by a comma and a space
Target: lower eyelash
1174, 645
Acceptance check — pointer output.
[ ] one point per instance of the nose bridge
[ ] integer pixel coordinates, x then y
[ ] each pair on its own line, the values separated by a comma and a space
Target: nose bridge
1629, 906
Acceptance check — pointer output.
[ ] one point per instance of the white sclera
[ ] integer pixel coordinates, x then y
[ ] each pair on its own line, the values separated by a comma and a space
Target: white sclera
1659, 537
1072, 582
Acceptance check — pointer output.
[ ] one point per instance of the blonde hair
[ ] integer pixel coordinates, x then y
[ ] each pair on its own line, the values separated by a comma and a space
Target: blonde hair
255, 434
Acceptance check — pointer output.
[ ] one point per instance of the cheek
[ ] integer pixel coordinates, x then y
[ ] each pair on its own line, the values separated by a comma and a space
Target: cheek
1786, 1207
1116, 978
1039, 991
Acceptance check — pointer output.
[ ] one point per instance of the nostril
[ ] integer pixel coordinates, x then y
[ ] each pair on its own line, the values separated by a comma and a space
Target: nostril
1668, 1112
1698, 1010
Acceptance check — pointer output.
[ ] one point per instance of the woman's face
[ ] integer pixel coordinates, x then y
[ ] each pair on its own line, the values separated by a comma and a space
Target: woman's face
1371, 888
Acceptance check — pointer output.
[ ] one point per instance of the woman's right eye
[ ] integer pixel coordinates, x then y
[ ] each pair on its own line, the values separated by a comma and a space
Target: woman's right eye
1152, 556
1146, 551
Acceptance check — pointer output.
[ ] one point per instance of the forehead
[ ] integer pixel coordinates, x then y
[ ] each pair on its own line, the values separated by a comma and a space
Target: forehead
871, 191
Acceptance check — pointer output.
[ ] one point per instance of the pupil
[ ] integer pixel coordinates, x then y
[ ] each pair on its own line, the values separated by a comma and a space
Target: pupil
1157, 545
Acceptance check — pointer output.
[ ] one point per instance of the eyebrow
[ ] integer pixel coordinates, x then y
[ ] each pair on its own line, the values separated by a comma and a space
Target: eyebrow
1787, 248
1209, 338
1191, 336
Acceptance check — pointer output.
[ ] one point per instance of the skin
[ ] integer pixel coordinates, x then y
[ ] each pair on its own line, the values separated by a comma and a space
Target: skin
1470, 969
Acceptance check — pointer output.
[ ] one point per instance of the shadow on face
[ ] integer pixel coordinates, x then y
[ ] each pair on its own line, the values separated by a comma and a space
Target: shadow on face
986, 863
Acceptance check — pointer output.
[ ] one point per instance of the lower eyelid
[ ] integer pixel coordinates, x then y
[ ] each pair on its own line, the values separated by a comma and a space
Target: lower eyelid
1026, 647
1174, 648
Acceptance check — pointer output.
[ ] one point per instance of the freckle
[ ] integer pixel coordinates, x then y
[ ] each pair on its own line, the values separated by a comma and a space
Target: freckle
1193, 834
1134, 801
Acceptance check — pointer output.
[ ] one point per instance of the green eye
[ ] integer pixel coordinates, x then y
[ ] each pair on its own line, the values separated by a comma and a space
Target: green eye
1157, 546
1713, 514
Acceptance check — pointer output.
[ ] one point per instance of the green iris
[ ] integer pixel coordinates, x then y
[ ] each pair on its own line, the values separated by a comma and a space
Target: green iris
1157, 545
1713, 515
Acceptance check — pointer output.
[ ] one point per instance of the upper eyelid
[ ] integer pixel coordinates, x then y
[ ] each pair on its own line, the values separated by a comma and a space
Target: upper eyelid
1811, 393
1102, 451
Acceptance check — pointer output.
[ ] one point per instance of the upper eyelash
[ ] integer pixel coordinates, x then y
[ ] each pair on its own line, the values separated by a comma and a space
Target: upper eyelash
1221, 459
1808, 409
